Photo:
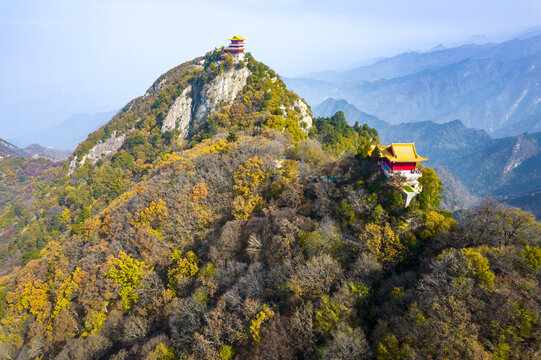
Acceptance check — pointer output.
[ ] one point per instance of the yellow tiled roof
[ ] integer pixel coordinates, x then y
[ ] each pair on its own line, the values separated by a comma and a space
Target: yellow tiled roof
237, 37
401, 153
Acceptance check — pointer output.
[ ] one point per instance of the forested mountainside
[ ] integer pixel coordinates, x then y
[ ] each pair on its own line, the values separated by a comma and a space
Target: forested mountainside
493, 87
202, 225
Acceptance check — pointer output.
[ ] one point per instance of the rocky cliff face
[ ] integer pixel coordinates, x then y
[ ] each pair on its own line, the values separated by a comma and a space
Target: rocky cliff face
102, 148
525, 147
304, 113
180, 114
185, 114
198, 101
223, 89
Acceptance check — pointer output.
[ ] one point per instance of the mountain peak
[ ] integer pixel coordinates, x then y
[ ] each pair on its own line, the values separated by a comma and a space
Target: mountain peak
438, 47
225, 89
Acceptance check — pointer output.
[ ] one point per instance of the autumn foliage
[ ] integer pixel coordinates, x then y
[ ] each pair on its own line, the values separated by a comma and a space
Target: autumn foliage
280, 242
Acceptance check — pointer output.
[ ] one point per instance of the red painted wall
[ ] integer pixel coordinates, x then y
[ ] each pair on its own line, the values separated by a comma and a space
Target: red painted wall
400, 166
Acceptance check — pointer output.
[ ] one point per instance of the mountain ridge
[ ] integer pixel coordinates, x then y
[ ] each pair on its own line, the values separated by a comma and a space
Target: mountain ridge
66, 134
497, 90
33, 151
414, 62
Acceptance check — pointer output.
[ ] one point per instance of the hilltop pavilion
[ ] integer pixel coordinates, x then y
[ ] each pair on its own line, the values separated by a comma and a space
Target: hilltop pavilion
236, 46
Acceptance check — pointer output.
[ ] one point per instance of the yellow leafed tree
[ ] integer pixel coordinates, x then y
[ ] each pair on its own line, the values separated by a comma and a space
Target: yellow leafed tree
246, 179
383, 243
185, 267
128, 273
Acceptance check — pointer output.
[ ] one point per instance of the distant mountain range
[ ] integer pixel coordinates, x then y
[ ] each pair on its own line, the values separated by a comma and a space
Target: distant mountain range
68, 133
495, 87
471, 163
32, 151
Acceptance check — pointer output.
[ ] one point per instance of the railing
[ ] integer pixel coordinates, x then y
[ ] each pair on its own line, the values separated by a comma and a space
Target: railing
405, 173
408, 174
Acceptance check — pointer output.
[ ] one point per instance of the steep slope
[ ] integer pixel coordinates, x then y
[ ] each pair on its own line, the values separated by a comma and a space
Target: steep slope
123, 152
507, 166
141, 202
455, 195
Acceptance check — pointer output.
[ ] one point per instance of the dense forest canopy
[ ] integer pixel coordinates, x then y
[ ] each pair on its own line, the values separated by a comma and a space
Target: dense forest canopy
259, 237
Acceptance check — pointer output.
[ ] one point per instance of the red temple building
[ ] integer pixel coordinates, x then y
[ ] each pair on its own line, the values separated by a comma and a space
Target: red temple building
236, 46
402, 159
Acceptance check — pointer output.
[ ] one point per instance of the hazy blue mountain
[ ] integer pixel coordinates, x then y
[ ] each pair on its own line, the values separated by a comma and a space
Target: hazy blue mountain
455, 194
67, 134
495, 87
525, 45
32, 151
330, 106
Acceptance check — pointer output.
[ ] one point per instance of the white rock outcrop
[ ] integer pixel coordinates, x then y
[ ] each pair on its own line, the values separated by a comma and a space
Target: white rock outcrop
180, 113
106, 147
196, 102
304, 114
524, 149
224, 88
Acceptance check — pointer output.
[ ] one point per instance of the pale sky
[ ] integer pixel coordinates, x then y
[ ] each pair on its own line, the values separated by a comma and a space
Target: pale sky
62, 57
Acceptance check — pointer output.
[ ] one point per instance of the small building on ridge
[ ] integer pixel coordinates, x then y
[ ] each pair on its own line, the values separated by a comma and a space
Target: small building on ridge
236, 47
